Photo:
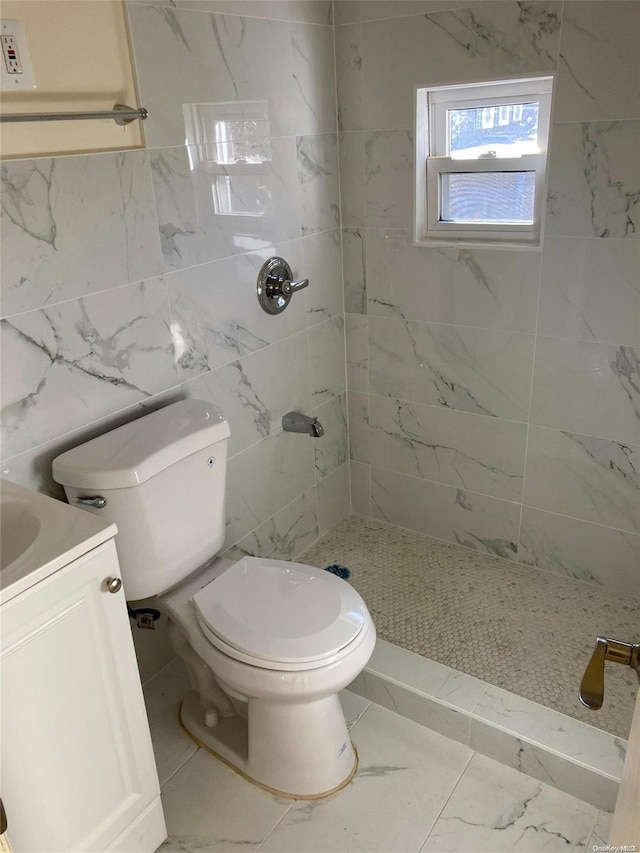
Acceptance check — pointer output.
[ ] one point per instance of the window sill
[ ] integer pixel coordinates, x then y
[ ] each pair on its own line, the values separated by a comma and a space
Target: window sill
511, 245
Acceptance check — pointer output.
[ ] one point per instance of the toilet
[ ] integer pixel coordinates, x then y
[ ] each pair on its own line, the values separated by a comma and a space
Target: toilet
268, 644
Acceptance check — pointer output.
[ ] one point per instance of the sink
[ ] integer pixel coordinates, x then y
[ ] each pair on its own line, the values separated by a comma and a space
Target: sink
19, 528
39, 535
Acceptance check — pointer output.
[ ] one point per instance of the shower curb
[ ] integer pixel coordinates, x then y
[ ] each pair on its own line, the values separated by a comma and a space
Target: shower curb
558, 750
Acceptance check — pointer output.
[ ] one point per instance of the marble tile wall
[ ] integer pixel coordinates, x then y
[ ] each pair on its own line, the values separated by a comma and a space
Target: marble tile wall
494, 396
128, 279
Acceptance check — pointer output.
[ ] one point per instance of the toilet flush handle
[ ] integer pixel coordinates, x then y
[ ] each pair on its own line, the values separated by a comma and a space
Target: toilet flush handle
96, 501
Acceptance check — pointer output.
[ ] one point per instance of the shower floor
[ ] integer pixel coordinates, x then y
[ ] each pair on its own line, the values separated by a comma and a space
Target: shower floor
527, 631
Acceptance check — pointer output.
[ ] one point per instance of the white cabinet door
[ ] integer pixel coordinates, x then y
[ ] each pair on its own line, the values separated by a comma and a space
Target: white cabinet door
77, 761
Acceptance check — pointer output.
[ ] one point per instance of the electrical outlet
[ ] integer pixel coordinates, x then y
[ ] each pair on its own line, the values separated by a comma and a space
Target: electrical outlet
16, 73
11, 55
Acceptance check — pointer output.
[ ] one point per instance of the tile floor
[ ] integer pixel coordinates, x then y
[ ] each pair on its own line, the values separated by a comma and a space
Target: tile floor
527, 631
415, 790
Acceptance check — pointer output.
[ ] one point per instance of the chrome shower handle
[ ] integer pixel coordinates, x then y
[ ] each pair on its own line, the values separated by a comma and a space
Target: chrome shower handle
276, 285
293, 286
592, 685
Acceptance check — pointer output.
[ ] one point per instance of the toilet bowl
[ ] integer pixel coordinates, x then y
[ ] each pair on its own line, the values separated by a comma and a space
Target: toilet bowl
282, 661
268, 643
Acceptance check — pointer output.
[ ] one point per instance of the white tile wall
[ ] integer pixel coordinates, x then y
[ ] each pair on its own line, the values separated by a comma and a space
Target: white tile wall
448, 404
124, 287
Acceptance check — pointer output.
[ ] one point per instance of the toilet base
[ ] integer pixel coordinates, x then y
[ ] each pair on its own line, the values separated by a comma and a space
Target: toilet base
300, 751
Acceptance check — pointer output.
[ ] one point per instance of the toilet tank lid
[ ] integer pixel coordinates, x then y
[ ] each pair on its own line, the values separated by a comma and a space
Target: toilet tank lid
135, 452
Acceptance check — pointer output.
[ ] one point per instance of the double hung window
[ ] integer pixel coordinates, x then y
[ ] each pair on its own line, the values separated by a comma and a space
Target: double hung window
481, 158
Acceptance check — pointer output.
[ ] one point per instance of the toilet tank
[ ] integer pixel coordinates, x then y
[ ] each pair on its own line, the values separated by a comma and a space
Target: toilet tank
163, 479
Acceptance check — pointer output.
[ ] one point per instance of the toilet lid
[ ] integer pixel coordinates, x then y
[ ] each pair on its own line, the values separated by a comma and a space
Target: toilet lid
280, 611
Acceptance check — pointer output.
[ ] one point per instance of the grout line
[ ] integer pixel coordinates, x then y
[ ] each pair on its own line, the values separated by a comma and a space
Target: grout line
172, 8
449, 486
159, 672
463, 412
178, 769
314, 485
162, 273
446, 803
531, 383
362, 713
405, 320
278, 822
134, 407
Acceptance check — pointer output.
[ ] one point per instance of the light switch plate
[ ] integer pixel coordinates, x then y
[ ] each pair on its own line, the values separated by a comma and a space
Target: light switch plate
16, 73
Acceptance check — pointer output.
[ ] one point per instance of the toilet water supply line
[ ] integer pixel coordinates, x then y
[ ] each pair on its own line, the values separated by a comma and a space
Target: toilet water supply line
145, 617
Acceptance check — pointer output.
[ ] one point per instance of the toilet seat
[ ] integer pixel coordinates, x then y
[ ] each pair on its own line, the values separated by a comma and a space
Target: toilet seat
279, 615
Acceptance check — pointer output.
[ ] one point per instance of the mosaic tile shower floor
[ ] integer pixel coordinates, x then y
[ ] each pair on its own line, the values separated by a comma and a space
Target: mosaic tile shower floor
527, 631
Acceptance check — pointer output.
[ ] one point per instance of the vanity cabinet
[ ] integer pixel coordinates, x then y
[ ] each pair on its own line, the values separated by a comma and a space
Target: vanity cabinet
78, 771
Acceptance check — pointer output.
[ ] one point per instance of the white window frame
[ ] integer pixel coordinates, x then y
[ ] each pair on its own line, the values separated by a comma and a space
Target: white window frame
433, 160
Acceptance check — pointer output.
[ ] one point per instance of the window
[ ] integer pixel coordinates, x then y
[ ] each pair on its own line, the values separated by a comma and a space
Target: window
481, 157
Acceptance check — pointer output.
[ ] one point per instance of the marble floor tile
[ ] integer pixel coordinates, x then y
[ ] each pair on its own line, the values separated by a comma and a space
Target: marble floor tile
163, 696
601, 831
412, 784
353, 707
405, 776
207, 807
495, 808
